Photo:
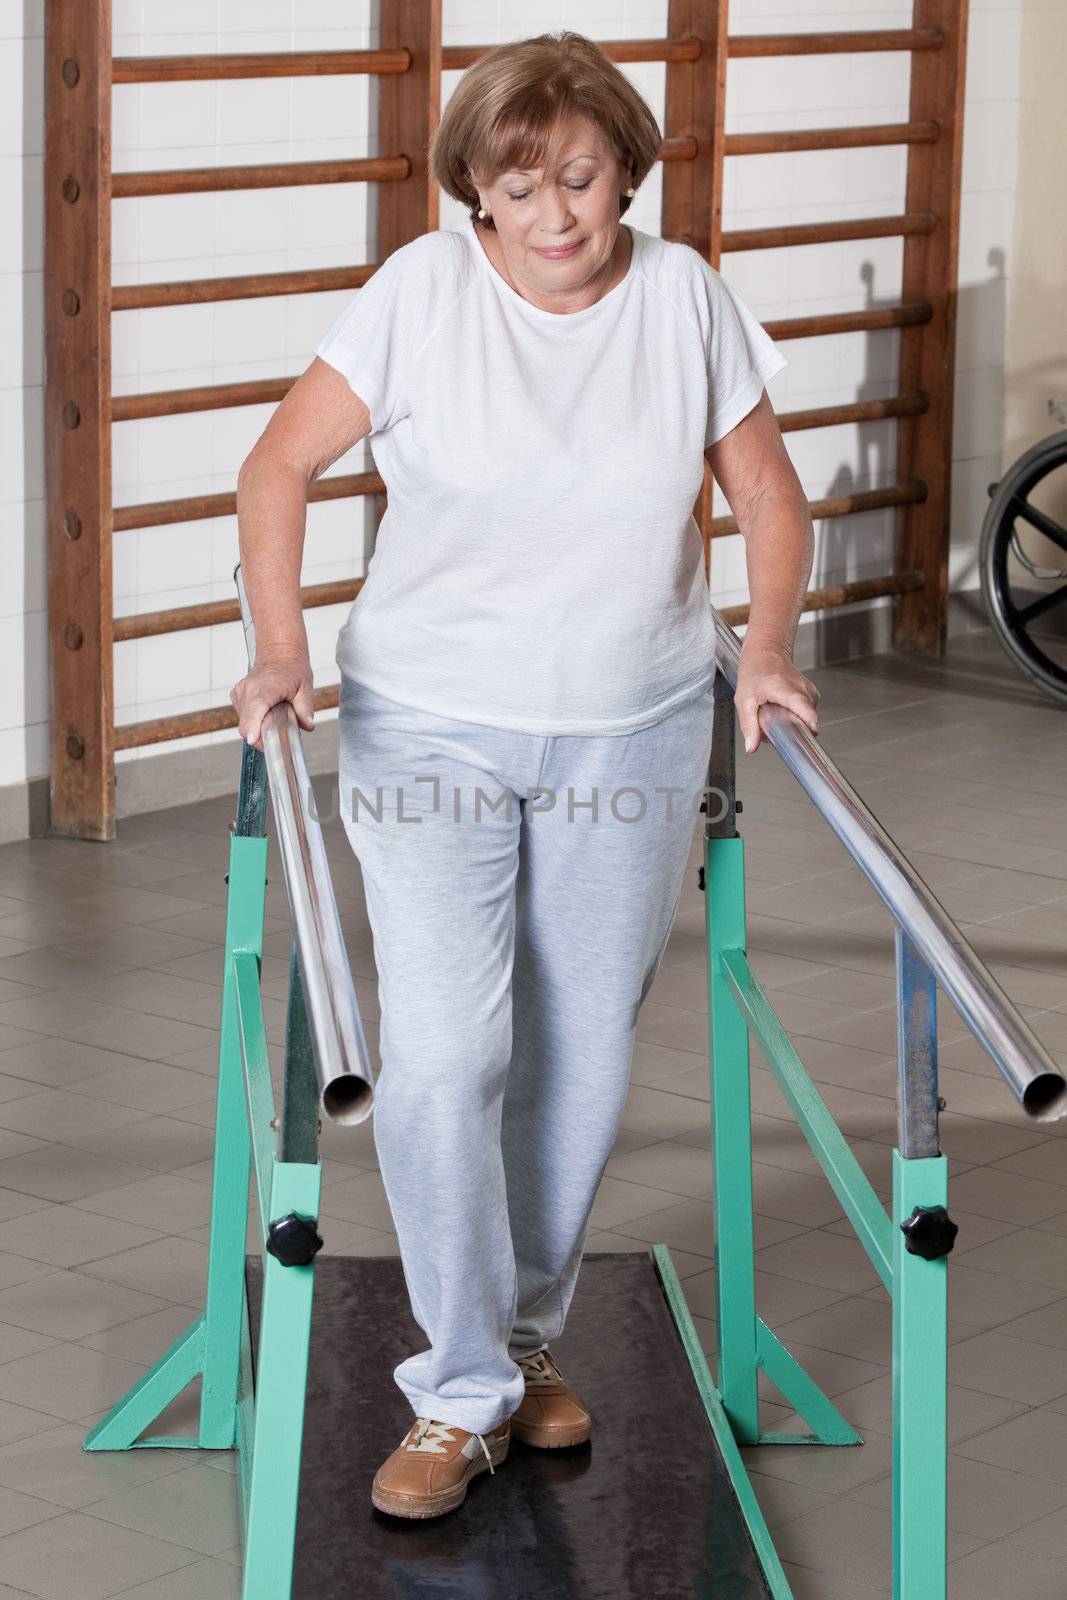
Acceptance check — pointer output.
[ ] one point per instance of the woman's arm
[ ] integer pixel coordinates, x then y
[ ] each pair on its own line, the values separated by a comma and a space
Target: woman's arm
317, 421
754, 472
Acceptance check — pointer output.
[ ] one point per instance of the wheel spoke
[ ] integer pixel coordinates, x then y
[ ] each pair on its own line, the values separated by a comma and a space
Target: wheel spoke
1038, 519
1037, 608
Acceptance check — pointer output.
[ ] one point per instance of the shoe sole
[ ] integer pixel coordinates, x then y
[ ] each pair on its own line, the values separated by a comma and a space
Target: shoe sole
403, 1505
552, 1438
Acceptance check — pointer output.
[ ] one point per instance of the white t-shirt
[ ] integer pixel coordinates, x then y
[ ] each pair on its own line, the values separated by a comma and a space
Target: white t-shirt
538, 566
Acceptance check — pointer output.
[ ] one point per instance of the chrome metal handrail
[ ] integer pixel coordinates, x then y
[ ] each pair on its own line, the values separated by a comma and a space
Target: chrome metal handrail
342, 1063
999, 1027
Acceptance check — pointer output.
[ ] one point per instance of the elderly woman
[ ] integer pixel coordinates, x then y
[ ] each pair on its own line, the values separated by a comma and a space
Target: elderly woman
525, 695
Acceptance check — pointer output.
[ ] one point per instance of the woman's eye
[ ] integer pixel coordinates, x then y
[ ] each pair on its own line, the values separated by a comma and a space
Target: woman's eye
577, 187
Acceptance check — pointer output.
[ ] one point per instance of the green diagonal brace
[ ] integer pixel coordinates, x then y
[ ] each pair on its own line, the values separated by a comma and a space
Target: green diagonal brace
803, 1394
844, 1173
150, 1395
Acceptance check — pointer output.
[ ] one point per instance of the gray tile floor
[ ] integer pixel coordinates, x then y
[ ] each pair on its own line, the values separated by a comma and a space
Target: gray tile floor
109, 993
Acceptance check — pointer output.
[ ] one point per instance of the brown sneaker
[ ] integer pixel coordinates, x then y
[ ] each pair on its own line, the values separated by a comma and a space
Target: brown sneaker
429, 1470
552, 1413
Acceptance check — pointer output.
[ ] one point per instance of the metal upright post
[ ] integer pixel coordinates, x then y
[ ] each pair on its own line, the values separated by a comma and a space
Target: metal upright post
224, 1303
724, 909
923, 1234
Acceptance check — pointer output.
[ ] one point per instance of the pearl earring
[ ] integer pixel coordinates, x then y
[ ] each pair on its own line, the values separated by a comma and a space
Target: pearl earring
629, 193
483, 214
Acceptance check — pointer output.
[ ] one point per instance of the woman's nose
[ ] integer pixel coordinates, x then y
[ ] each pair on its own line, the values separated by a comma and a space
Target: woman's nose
555, 216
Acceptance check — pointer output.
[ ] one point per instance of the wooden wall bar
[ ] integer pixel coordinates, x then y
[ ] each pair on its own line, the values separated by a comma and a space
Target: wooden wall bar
295, 64
843, 43
928, 351
406, 69
695, 108
77, 321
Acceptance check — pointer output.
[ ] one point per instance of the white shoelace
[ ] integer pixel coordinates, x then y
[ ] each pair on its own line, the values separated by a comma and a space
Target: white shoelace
537, 1369
431, 1438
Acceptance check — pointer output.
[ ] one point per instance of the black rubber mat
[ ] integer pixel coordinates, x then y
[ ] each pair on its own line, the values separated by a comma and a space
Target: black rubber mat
643, 1509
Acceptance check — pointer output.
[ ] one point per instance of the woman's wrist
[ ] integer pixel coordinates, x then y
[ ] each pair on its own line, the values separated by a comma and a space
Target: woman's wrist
757, 644
281, 650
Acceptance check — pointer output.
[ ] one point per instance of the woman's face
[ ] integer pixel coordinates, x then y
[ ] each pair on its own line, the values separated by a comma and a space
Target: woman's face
574, 209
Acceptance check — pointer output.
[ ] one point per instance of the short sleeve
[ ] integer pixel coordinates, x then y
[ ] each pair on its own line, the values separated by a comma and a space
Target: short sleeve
741, 357
372, 341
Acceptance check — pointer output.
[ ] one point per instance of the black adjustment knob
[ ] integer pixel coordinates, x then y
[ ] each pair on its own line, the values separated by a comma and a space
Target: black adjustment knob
700, 879
295, 1240
929, 1232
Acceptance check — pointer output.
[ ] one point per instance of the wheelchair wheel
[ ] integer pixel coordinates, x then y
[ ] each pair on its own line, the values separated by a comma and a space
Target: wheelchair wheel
1024, 584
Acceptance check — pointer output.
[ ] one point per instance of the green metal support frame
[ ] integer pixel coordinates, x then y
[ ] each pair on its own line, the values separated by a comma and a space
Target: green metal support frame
918, 1287
257, 1408
257, 1405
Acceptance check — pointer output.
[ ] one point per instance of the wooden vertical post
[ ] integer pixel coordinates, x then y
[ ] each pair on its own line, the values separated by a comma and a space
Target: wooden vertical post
410, 107
77, 319
928, 350
695, 108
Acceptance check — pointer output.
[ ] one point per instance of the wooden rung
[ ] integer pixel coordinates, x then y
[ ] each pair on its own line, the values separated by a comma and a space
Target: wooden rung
839, 594
212, 719
162, 512
455, 57
827, 322
159, 513
207, 613
855, 138
845, 505
256, 286
210, 397
299, 64
267, 391
681, 149
282, 175
830, 44
830, 232
901, 405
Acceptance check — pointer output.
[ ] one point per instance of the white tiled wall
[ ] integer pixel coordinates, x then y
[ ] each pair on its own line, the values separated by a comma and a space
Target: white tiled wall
200, 124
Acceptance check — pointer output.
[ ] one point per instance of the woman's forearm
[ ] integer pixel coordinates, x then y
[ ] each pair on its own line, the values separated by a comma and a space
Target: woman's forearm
779, 550
271, 520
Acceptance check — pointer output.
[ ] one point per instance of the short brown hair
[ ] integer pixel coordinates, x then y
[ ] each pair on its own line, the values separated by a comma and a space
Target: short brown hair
510, 108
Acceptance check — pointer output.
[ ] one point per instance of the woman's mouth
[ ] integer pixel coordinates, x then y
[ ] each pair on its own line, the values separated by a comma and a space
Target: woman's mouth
561, 253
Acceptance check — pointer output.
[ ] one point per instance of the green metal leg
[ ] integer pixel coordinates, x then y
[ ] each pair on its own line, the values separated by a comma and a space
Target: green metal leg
211, 1345
724, 879
257, 1405
920, 1390
745, 1341
229, 1198
281, 1385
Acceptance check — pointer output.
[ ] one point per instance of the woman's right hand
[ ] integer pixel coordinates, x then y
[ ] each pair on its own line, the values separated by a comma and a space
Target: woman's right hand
276, 677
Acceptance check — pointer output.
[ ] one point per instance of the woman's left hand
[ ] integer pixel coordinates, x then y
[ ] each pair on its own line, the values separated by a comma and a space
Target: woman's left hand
765, 676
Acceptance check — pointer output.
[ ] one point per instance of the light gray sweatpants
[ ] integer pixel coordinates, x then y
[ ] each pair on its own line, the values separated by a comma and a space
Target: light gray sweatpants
520, 891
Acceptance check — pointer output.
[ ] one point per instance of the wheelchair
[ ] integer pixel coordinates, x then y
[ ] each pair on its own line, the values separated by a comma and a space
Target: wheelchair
1026, 600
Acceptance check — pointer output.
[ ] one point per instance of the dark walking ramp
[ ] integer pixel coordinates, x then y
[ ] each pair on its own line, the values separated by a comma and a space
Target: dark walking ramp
645, 1509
